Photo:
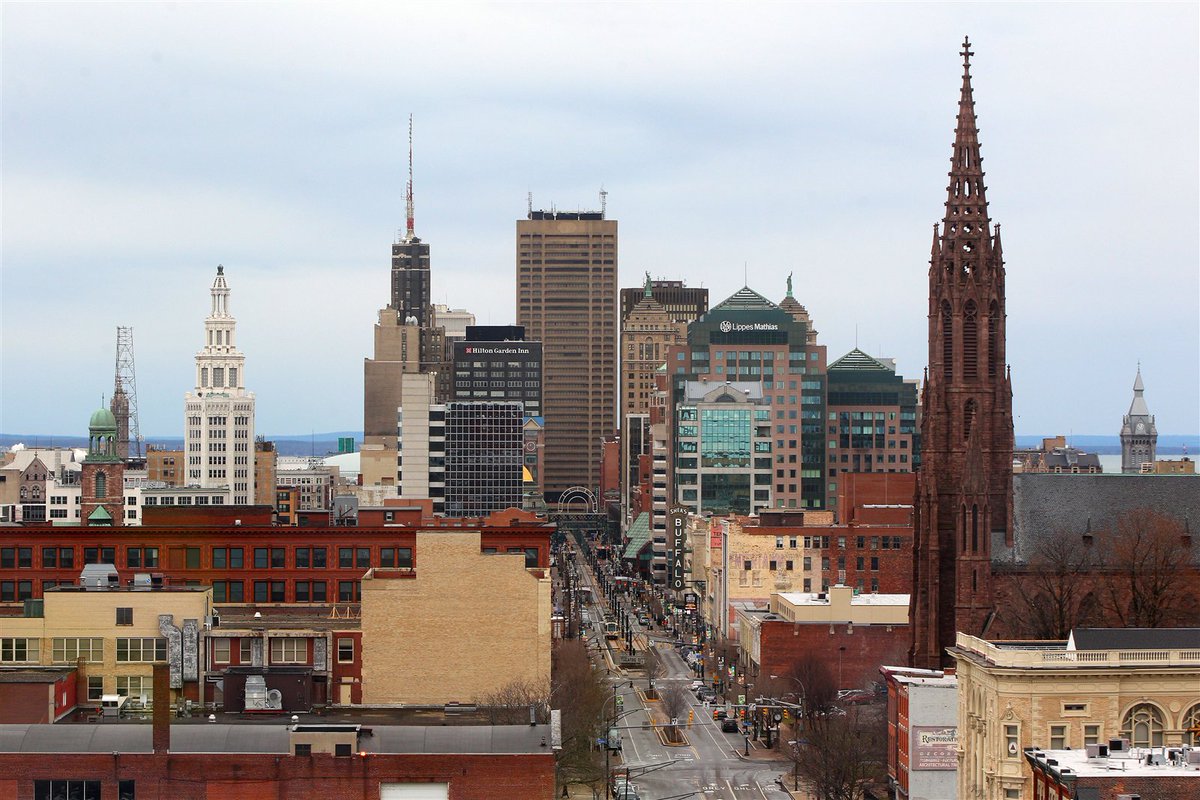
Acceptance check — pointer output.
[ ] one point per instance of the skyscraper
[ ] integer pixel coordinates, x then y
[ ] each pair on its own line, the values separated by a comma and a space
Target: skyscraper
1139, 436
964, 484
219, 413
566, 299
407, 340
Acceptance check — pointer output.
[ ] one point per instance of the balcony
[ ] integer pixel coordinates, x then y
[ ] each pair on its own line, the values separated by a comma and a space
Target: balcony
1053, 656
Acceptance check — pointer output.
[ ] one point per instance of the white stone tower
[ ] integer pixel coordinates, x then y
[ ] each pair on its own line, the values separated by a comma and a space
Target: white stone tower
1139, 437
219, 413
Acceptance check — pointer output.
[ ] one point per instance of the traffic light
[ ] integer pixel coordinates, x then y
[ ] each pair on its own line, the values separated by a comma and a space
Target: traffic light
715, 712
691, 717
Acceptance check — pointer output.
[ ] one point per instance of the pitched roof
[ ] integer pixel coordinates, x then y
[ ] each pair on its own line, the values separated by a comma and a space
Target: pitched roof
857, 359
745, 299
1134, 639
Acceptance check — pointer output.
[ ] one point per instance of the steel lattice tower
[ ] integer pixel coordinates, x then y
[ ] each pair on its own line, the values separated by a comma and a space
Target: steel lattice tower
124, 401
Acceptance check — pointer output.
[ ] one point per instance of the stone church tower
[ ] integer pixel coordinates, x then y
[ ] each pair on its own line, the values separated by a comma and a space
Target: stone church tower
964, 486
1139, 437
102, 476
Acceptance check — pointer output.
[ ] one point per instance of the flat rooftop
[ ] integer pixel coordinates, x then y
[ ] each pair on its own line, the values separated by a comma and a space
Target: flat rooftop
862, 599
227, 738
1126, 763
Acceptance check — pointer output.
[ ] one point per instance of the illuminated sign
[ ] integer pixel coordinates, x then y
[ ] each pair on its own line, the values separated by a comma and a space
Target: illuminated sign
475, 350
676, 543
735, 327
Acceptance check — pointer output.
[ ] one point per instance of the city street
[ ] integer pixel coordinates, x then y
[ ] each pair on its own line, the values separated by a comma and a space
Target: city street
712, 764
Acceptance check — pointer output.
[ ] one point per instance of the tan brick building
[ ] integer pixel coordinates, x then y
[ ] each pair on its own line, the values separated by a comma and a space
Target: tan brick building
1145, 689
461, 624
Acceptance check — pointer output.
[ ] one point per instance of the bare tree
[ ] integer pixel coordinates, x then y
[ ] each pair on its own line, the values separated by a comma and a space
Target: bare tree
842, 756
510, 704
1056, 593
809, 676
1149, 576
674, 703
653, 664
579, 692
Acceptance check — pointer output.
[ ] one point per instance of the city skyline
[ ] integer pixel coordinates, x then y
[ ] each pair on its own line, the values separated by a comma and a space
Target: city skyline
202, 151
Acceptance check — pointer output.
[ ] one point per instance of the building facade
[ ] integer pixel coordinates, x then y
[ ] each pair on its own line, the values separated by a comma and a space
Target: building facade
681, 302
1137, 688
964, 486
566, 299
219, 412
483, 457
496, 362
1139, 436
747, 338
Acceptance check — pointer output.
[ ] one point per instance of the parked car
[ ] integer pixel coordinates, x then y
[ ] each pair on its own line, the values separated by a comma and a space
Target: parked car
729, 726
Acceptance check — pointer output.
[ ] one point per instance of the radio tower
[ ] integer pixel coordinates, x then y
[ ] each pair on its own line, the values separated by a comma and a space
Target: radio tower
124, 401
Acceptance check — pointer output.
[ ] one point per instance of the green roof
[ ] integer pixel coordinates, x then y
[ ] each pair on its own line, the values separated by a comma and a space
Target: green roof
745, 299
100, 515
639, 535
102, 419
857, 359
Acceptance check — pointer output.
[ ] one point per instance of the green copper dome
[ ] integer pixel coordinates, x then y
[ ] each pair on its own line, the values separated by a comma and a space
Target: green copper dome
102, 419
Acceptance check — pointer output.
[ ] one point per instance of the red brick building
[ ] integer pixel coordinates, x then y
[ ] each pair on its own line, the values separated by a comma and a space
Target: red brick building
245, 558
33, 695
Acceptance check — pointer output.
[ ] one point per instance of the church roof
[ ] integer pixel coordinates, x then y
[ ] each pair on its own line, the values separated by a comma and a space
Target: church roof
1138, 407
745, 299
858, 360
1045, 503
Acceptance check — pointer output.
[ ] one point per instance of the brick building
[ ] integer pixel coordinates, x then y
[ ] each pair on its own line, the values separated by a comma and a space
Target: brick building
856, 632
214, 761
922, 728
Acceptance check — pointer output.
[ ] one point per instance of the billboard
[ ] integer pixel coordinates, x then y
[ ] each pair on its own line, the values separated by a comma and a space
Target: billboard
934, 747
676, 543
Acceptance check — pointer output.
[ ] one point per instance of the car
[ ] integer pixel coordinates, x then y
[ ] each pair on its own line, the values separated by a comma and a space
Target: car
696, 685
729, 726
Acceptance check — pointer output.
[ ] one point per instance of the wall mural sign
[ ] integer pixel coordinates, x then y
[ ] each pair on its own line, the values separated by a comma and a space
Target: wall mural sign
676, 543
934, 747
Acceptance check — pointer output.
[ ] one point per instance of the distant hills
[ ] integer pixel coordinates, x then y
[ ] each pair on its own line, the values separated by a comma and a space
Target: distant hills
326, 442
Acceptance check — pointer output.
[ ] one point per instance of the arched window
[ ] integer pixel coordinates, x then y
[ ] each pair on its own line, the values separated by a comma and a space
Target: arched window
970, 341
101, 485
1143, 726
963, 527
969, 412
993, 347
947, 342
974, 529
1191, 726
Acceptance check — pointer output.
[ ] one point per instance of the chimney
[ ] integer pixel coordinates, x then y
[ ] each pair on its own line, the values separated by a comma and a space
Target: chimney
162, 708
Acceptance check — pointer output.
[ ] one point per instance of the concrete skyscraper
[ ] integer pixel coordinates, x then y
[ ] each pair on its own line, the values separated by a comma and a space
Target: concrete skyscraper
567, 299
219, 413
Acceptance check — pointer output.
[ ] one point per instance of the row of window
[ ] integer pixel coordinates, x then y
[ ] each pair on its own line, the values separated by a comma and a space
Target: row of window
277, 591
222, 557
860, 542
284, 650
68, 650
1143, 725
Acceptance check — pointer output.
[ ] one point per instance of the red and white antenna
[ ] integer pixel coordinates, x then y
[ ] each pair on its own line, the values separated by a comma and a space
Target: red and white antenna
409, 203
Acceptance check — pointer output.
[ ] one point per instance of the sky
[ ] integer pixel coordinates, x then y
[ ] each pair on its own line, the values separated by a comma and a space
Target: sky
145, 143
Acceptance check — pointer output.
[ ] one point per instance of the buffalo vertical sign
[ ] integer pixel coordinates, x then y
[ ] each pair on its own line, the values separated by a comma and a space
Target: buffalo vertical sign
676, 542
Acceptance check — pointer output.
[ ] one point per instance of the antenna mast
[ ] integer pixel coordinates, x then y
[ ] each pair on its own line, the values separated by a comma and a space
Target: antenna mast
409, 204
124, 402
603, 202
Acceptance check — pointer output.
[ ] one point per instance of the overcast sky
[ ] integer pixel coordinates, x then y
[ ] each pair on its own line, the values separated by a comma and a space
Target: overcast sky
143, 144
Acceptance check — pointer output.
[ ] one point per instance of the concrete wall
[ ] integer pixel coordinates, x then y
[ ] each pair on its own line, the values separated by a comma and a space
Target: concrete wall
931, 705
461, 625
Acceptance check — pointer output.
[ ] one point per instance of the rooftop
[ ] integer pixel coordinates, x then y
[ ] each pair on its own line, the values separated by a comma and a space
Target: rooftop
1057, 655
822, 599
233, 738
1118, 764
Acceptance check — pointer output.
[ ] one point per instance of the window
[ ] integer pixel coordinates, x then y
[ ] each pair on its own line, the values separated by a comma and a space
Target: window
343, 750
261, 590
220, 650
192, 556
1012, 741
773, 565
807, 562
289, 651
303, 749
278, 588
1091, 734
142, 649
76, 790
136, 686
66, 557
95, 688
237, 558
303, 558
302, 591
1191, 724
1058, 737
778, 542
245, 648
124, 616
362, 557
1074, 709
19, 651
746, 565
348, 591
67, 650
278, 558
318, 558
531, 557
788, 565
49, 557
1143, 726
345, 651
345, 557
220, 558
261, 557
